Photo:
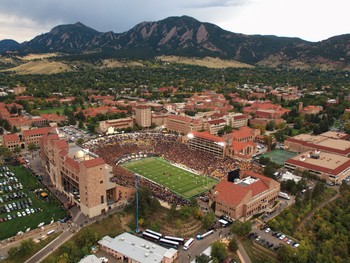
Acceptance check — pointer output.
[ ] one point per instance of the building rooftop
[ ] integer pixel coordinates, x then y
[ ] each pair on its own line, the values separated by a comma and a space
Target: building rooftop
326, 162
206, 135
80, 154
137, 248
235, 193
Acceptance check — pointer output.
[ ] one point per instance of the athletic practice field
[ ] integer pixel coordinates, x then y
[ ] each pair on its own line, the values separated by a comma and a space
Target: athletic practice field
181, 182
279, 156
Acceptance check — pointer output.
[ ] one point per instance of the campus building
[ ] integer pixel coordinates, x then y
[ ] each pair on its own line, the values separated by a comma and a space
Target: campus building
132, 249
328, 166
332, 142
206, 142
24, 138
182, 124
82, 176
248, 195
111, 125
143, 116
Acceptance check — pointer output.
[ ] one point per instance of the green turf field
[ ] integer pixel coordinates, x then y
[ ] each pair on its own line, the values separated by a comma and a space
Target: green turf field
179, 181
279, 156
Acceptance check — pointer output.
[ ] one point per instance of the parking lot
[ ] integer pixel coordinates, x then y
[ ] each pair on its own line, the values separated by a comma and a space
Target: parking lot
73, 134
271, 239
23, 206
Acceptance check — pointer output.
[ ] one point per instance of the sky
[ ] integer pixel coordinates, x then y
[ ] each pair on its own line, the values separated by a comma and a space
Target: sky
312, 20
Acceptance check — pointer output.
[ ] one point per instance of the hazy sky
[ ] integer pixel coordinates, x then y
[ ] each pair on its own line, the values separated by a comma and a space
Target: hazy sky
312, 20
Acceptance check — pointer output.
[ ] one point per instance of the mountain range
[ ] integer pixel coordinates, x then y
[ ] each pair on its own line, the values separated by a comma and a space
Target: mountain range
188, 37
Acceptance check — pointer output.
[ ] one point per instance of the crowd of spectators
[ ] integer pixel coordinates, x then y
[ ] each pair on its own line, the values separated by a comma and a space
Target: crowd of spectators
112, 148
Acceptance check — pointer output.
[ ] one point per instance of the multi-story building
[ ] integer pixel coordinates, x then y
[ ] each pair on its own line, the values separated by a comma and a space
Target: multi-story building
12, 141
239, 120
332, 142
82, 176
206, 142
34, 135
24, 138
251, 194
143, 116
213, 126
183, 124
265, 110
111, 125
328, 166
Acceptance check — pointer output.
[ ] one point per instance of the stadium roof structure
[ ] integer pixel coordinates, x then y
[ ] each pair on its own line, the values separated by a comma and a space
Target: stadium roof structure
206, 135
136, 248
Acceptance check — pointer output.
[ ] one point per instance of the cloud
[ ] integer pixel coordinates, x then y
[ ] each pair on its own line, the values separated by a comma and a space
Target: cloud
311, 19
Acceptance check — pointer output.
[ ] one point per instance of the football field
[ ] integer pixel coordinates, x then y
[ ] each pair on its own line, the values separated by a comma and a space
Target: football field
179, 181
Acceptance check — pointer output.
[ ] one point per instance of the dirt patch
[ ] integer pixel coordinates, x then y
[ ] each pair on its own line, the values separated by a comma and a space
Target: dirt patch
113, 63
208, 62
38, 56
40, 67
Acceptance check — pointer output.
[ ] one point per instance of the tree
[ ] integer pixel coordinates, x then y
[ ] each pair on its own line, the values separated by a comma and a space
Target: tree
202, 258
218, 251
233, 245
270, 126
91, 128
16, 150
14, 129
31, 146
208, 220
241, 228
87, 238
81, 124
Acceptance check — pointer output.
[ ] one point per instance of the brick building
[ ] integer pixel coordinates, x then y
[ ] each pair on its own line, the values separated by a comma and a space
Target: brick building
183, 124
143, 116
251, 194
81, 175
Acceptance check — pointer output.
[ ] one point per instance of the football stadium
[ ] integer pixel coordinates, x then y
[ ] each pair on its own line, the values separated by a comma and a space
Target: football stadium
166, 166
178, 180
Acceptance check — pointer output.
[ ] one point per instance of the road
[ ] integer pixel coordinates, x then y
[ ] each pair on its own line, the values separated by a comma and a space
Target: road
200, 245
46, 251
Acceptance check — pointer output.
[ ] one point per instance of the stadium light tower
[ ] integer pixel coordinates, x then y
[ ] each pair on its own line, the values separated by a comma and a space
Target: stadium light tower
137, 203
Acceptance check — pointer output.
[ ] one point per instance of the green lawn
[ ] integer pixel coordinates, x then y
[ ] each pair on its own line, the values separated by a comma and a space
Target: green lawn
279, 156
51, 209
179, 181
54, 110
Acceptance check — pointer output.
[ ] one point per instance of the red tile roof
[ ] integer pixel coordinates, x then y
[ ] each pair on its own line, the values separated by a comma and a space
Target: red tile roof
234, 194
94, 162
238, 146
38, 131
10, 137
206, 135
72, 163
218, 121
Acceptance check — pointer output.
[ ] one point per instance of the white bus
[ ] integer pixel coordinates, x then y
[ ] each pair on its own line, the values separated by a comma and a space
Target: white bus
284, 195
153, 233
168, 243
177, 239
188, 243
150, 237
51, 232
205, 235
